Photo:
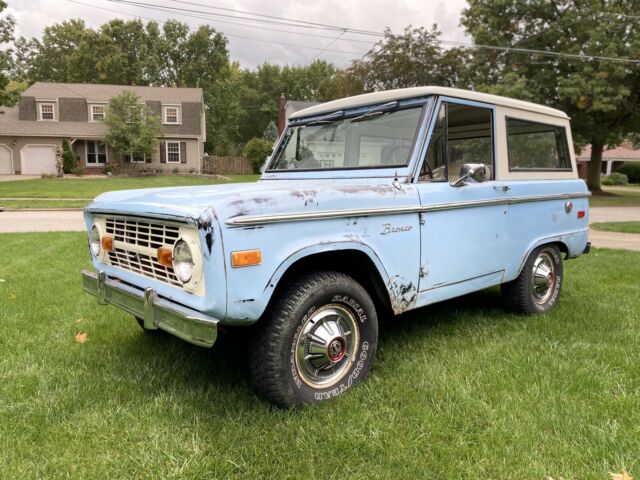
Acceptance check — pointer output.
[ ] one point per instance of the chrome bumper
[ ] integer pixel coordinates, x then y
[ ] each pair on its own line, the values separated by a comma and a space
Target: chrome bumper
189, 325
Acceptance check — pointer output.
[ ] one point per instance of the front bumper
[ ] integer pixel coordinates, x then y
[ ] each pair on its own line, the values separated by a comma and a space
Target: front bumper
189, 325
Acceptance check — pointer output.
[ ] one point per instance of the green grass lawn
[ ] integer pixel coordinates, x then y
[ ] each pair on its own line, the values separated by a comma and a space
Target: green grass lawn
91, 187
459, 390
623, 227
629, 195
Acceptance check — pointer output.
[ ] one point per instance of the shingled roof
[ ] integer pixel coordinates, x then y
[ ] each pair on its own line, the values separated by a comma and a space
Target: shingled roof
97, 92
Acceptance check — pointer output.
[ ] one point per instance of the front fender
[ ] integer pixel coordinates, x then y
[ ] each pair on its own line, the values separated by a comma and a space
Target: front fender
247, 311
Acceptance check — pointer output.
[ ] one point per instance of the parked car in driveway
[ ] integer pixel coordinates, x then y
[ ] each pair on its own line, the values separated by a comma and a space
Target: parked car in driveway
370, 205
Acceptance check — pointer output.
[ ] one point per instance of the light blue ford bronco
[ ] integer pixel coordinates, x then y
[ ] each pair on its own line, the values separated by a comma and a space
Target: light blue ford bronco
369, 206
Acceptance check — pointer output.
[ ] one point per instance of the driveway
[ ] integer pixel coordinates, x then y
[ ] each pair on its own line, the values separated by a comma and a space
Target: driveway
626, 241
11, 178
42, 221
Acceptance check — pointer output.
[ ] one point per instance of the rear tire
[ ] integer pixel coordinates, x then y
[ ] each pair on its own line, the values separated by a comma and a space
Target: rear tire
317, 339
537, 288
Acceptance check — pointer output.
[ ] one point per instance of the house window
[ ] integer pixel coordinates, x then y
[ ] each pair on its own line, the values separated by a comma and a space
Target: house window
173, 152
46, 111
137, 158
171, 115
96, 152
97, 113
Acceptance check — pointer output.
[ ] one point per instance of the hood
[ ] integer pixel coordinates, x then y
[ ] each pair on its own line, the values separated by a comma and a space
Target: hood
262, 197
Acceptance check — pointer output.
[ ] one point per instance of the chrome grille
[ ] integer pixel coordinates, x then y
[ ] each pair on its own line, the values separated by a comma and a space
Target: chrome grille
143, 234
135, 243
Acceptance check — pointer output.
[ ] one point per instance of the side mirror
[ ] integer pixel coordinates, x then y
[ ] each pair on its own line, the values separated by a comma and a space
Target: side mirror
478, 172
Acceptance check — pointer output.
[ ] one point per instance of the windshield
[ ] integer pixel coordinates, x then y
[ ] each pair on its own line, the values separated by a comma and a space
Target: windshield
376, 139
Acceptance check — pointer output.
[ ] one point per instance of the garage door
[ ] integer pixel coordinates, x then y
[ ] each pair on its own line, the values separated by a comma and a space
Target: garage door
5, 161
37, 159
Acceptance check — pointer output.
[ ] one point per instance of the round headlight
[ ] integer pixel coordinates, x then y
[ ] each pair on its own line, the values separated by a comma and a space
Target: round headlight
94, 241
183, 261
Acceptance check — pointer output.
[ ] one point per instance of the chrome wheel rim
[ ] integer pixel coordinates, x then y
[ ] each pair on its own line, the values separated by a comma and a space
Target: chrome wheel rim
325, 346
543, 278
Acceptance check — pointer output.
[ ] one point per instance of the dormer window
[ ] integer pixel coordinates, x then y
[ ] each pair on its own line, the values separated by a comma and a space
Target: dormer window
171, 114
47, 111
97, 113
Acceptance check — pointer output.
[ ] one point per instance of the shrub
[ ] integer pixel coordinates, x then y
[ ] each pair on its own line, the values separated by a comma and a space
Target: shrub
68, 158
615, 178
47, 175
257, 150
631, 170
77, 171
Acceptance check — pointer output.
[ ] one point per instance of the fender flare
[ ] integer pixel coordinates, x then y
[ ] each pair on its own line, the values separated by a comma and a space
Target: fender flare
562, 239
324, 248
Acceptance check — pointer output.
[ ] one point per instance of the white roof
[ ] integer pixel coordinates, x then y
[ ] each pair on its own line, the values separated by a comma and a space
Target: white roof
402, 93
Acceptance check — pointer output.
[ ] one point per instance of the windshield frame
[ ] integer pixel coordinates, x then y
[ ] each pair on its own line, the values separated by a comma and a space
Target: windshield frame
424, 103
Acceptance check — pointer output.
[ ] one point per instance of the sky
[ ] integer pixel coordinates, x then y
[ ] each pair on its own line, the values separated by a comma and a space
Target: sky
253, 43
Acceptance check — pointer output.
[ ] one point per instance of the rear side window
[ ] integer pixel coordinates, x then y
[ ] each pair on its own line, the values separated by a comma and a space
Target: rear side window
536, 146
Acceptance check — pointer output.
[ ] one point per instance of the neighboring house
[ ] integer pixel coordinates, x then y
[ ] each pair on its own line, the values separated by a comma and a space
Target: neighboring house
288, 107
31, 133
611, 159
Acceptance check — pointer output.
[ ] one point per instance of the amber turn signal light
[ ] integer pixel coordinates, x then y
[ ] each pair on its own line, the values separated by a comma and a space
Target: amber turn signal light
107, 244
165, 257
246, 258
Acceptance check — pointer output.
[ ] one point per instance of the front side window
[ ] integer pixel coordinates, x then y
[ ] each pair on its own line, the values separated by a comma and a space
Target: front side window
173, 152
171, 115
47, 111
96, 152
377, 139
97, 112
536, 146
461, 134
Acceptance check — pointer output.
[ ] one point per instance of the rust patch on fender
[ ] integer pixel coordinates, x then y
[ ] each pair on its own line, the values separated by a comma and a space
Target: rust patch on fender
403, 294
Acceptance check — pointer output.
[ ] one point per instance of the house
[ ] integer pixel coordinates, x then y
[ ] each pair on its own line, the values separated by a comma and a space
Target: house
612, 159
32, 132
288, 107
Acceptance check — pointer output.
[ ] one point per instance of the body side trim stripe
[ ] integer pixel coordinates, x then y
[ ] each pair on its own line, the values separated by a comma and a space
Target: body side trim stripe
248, 221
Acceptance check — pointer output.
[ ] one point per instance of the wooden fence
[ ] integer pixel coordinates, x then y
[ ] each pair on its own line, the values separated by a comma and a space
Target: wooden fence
227, 165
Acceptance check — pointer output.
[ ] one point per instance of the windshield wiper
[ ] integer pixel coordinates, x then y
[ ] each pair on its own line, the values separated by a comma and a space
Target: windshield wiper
326, 119
376, 111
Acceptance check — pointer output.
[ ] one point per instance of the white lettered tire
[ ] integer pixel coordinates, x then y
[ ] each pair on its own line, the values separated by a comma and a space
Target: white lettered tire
317, 340
538, 287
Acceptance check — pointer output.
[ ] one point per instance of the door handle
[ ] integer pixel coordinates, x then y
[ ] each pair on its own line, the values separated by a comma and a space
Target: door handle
504, 188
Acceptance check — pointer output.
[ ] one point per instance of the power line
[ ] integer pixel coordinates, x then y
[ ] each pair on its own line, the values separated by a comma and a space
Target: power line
290, 23
209, 16
316, 24
262, 40
583, 57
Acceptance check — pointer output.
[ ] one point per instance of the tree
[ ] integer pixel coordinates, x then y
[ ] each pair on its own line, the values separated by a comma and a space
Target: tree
412, 58
68, 158
257, 150
601, 96
7, 25
133, 129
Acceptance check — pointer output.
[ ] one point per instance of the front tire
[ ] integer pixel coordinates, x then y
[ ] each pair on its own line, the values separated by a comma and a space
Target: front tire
537, 288
318, 339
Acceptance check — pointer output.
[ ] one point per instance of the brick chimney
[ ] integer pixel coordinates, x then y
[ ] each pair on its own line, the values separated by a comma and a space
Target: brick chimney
282, 101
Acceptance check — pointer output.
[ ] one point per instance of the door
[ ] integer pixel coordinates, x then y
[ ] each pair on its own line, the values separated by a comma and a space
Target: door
462, 227
38, 159
6, 167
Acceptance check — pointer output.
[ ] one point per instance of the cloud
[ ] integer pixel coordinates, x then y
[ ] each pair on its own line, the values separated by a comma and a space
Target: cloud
252, 44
